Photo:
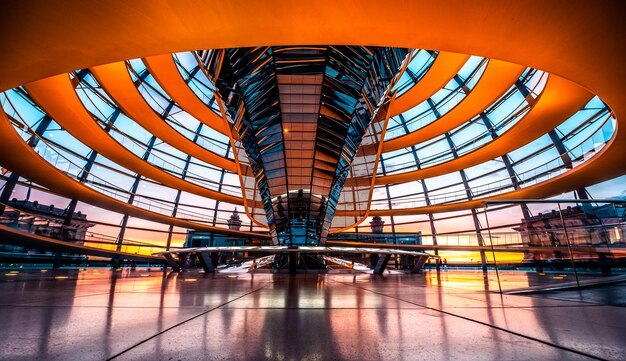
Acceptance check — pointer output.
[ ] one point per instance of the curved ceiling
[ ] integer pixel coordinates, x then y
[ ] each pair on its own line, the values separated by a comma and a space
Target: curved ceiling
578, 45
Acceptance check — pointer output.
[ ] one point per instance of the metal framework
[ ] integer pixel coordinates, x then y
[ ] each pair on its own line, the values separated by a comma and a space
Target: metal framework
464, 130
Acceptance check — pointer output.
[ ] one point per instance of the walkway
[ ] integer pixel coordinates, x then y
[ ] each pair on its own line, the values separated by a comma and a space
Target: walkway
142, 315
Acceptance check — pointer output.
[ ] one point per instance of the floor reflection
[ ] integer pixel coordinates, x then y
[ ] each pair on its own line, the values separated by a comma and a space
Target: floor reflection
97, 314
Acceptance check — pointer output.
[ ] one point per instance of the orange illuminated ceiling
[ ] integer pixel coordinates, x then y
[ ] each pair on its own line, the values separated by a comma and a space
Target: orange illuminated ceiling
57, 97
115, 79
445, 67
583, 45
24, 160
496, 80
163, 69
559, 100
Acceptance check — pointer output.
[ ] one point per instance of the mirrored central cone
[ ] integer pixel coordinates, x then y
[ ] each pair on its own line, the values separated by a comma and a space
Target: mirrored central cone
301, 113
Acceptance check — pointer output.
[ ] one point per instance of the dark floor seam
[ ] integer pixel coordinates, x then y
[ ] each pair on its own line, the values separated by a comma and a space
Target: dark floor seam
183, 322
485, 324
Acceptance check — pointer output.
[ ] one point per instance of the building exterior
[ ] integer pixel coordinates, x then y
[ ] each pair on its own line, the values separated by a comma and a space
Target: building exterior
42, 220
599, 226
46, 220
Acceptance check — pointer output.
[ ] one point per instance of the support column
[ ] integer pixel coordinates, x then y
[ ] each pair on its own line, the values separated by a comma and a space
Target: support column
9, 186
182, 260
172, 262
217, 202
383, 260
431, 218
468, 192
462, 83
206, 262
389, 204
507, 162
133, 191
179, 192
293, 262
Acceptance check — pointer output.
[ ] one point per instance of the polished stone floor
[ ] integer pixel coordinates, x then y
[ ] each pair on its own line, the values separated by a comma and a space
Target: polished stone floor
98, 314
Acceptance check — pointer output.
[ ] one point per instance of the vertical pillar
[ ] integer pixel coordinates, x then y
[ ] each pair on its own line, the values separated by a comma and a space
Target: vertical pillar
9, 186
468, 192
507, 162
293, 262
205, 262
71, 208
219, 189
389, 203
146, 155
133, 191
381, 264
431, 218
171, 262
179, 192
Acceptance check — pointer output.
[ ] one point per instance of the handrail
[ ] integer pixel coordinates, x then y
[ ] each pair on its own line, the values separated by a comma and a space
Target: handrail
552, 200
63, 227
514, 116
116, 81
544, 168
447, 104
164, 69
494, 82
16, 155
66, 108
24, 239
47, 150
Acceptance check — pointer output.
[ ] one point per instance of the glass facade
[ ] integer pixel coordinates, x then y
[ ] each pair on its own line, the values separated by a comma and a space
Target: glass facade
301, 114
437, 184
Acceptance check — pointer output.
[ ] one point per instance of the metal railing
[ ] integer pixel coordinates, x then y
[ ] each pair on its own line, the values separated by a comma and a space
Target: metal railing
49, 224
